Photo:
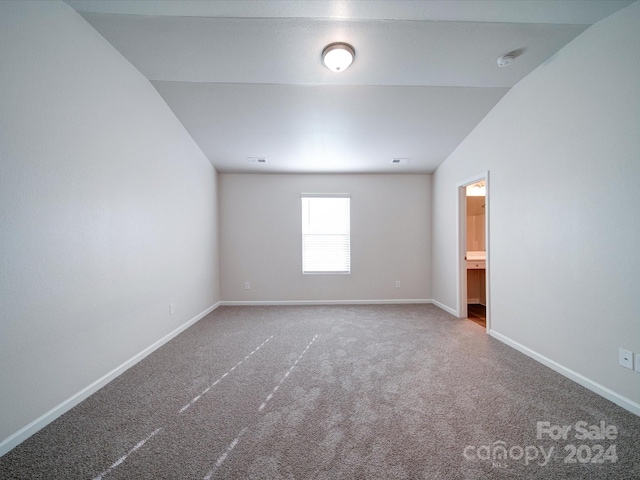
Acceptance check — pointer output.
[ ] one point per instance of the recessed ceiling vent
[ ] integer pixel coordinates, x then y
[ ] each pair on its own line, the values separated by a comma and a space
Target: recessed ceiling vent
400, 161
257, 160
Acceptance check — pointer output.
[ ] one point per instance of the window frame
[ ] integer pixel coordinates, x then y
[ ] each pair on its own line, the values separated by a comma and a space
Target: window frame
302, 238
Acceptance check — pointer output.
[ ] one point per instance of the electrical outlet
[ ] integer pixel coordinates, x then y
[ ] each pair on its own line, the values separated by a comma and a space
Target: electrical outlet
638, 362
397, 283
626, 358
172, 308
247, 285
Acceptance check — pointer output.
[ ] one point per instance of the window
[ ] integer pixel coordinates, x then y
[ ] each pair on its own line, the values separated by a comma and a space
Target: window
326, 242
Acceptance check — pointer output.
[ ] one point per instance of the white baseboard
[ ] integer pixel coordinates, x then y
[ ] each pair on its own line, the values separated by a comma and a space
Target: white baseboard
595, 387
25, 432
325, 302
445, 308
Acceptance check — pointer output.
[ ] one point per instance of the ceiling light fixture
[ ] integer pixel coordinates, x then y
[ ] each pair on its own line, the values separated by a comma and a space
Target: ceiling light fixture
338, 56
507, 59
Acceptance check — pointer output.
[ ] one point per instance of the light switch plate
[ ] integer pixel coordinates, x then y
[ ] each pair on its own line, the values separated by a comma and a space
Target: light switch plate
638, 362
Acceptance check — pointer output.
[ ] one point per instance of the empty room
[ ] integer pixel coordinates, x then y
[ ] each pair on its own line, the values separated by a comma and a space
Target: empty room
332, 239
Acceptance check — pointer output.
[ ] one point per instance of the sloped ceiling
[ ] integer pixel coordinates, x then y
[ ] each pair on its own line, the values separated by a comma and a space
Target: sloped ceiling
246, 78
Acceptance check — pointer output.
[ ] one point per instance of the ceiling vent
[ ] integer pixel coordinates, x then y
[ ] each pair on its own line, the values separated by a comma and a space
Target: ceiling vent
257, 160
400, 161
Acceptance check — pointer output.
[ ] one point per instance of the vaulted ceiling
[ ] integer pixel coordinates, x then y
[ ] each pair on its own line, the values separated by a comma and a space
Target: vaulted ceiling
245, 78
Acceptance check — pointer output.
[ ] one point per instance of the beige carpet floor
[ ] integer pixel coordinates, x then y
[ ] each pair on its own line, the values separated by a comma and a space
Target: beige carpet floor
335, 392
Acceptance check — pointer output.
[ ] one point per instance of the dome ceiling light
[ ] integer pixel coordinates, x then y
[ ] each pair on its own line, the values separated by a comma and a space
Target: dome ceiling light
338, 56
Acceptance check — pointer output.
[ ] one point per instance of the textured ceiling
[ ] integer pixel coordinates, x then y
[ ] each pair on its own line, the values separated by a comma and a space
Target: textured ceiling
246, 80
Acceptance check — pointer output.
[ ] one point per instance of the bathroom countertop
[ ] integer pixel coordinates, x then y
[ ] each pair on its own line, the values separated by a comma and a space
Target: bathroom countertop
482, 255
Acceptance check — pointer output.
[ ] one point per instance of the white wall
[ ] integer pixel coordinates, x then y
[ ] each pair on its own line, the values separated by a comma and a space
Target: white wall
562, 148
108, 213
261, 238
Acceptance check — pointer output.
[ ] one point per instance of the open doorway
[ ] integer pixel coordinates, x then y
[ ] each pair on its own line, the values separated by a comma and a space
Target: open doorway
473, 254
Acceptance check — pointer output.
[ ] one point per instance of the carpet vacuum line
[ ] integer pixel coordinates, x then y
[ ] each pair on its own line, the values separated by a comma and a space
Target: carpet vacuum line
124, 457
270, 396
197, 397
235, 441
223, 457
157, 430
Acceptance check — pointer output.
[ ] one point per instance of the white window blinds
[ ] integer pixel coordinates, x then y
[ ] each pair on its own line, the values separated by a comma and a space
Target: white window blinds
326, 231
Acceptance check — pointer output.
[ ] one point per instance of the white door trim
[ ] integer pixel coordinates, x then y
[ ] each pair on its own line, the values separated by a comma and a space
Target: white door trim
462, 245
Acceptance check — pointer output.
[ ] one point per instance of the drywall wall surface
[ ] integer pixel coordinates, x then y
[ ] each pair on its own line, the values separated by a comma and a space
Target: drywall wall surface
562, 148
261, 238
107, 212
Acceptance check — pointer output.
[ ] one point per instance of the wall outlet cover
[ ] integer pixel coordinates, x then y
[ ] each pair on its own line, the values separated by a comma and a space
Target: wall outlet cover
626, 358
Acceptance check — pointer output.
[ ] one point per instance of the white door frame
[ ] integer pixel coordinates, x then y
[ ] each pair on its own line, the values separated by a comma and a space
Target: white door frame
462, 246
